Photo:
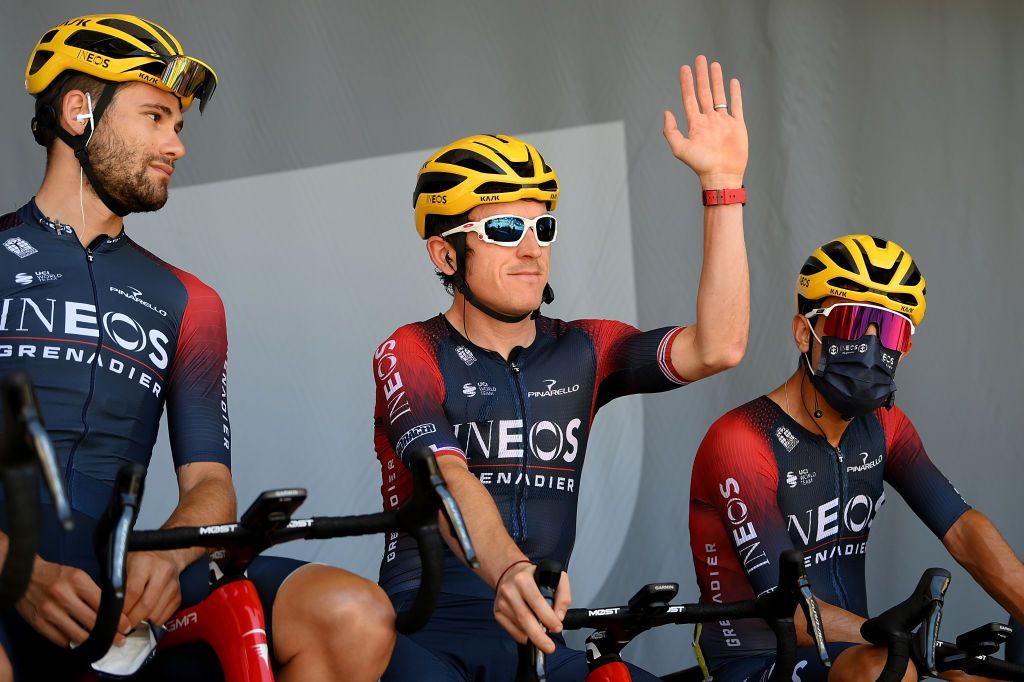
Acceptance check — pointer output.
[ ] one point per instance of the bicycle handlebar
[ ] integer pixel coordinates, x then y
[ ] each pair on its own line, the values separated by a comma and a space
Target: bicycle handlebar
972, 653
27, 450
649, 608
894, 626
245, 540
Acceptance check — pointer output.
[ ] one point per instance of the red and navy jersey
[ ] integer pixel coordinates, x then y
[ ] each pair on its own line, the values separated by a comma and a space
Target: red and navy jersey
762, 484
110, 334
522, 425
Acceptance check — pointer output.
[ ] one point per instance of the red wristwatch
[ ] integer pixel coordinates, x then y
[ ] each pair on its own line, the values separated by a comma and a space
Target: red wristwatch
723, 197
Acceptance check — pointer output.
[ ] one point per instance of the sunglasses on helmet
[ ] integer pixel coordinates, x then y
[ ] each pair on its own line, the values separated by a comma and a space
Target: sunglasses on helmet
189, 77
509, 230
850, 321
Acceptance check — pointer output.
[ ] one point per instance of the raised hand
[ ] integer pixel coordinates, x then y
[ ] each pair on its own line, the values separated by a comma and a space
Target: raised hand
715, 145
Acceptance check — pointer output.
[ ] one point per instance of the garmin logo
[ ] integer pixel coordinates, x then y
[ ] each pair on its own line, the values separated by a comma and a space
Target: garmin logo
552, 391
136, 295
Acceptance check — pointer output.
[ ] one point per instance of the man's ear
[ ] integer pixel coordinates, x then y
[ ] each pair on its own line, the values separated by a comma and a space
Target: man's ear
75, 111
802, 332
442, 255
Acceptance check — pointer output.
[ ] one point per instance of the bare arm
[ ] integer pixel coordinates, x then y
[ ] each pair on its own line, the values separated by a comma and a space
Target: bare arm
206, 496
518, 605
976, 544
716, 149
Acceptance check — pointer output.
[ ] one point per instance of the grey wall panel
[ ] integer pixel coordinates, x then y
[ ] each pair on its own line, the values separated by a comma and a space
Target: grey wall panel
899, 119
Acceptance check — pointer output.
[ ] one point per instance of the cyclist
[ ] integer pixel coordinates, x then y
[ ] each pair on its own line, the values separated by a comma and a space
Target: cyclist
111, 334
506, 396
803, 468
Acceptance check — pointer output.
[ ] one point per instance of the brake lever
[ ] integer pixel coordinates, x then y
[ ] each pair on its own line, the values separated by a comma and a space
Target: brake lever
930, 628
456, 521
22, 409
48, 465
812, 613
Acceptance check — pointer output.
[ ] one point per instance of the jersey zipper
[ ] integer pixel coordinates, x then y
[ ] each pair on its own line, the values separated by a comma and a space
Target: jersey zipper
69, 469
836, 561
519, 499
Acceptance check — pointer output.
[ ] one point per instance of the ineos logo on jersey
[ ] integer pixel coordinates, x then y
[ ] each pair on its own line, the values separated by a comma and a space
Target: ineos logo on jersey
136, 295
80, 320
504, 438
386, 369
823, 521
552, 391
744, 535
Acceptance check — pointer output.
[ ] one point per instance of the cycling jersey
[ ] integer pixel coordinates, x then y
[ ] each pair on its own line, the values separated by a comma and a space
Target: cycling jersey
762, 483
522, 425
109, 334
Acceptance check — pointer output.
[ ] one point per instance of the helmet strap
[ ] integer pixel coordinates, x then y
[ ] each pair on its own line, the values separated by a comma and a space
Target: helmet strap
463, 287
78, 144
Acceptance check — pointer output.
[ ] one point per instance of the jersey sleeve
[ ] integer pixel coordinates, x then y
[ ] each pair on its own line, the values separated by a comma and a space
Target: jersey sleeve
197, 392
409, 412
734, 502
631, 361
908, 469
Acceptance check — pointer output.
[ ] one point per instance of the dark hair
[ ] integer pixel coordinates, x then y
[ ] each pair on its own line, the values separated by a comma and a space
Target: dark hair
54, 97
435, 225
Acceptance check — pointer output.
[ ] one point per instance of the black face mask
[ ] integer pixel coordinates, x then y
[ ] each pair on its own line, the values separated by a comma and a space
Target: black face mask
856, 377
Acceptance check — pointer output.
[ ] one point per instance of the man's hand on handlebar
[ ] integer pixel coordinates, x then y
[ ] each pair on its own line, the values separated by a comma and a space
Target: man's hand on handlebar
153, 591
61, 602
520, 608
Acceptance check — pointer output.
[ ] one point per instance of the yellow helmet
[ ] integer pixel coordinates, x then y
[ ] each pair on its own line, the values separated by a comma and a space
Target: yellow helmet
477, 170
120, 48
866, 269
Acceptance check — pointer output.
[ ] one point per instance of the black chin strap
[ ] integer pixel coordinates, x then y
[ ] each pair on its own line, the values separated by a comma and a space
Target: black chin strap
460, 283
78, 145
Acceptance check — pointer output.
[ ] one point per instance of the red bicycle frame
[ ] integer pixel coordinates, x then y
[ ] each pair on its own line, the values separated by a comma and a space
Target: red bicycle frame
231, 621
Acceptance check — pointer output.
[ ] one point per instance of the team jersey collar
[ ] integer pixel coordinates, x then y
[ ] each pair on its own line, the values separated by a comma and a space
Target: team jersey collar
31, 215
457, 335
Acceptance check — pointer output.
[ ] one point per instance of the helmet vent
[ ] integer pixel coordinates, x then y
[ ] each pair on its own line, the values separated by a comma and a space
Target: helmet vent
838, 252
880, 243
497, 188
549, 186
912, 277
847, 284
94, 41
42, 56
48, 36
905, 299
135, 32
877, 274
812, 267
470, 160
434, 183
523, 169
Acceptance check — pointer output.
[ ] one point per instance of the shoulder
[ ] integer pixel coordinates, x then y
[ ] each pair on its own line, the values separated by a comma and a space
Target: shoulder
10, 220
425, 336
196, 289
745, 430
598, 327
